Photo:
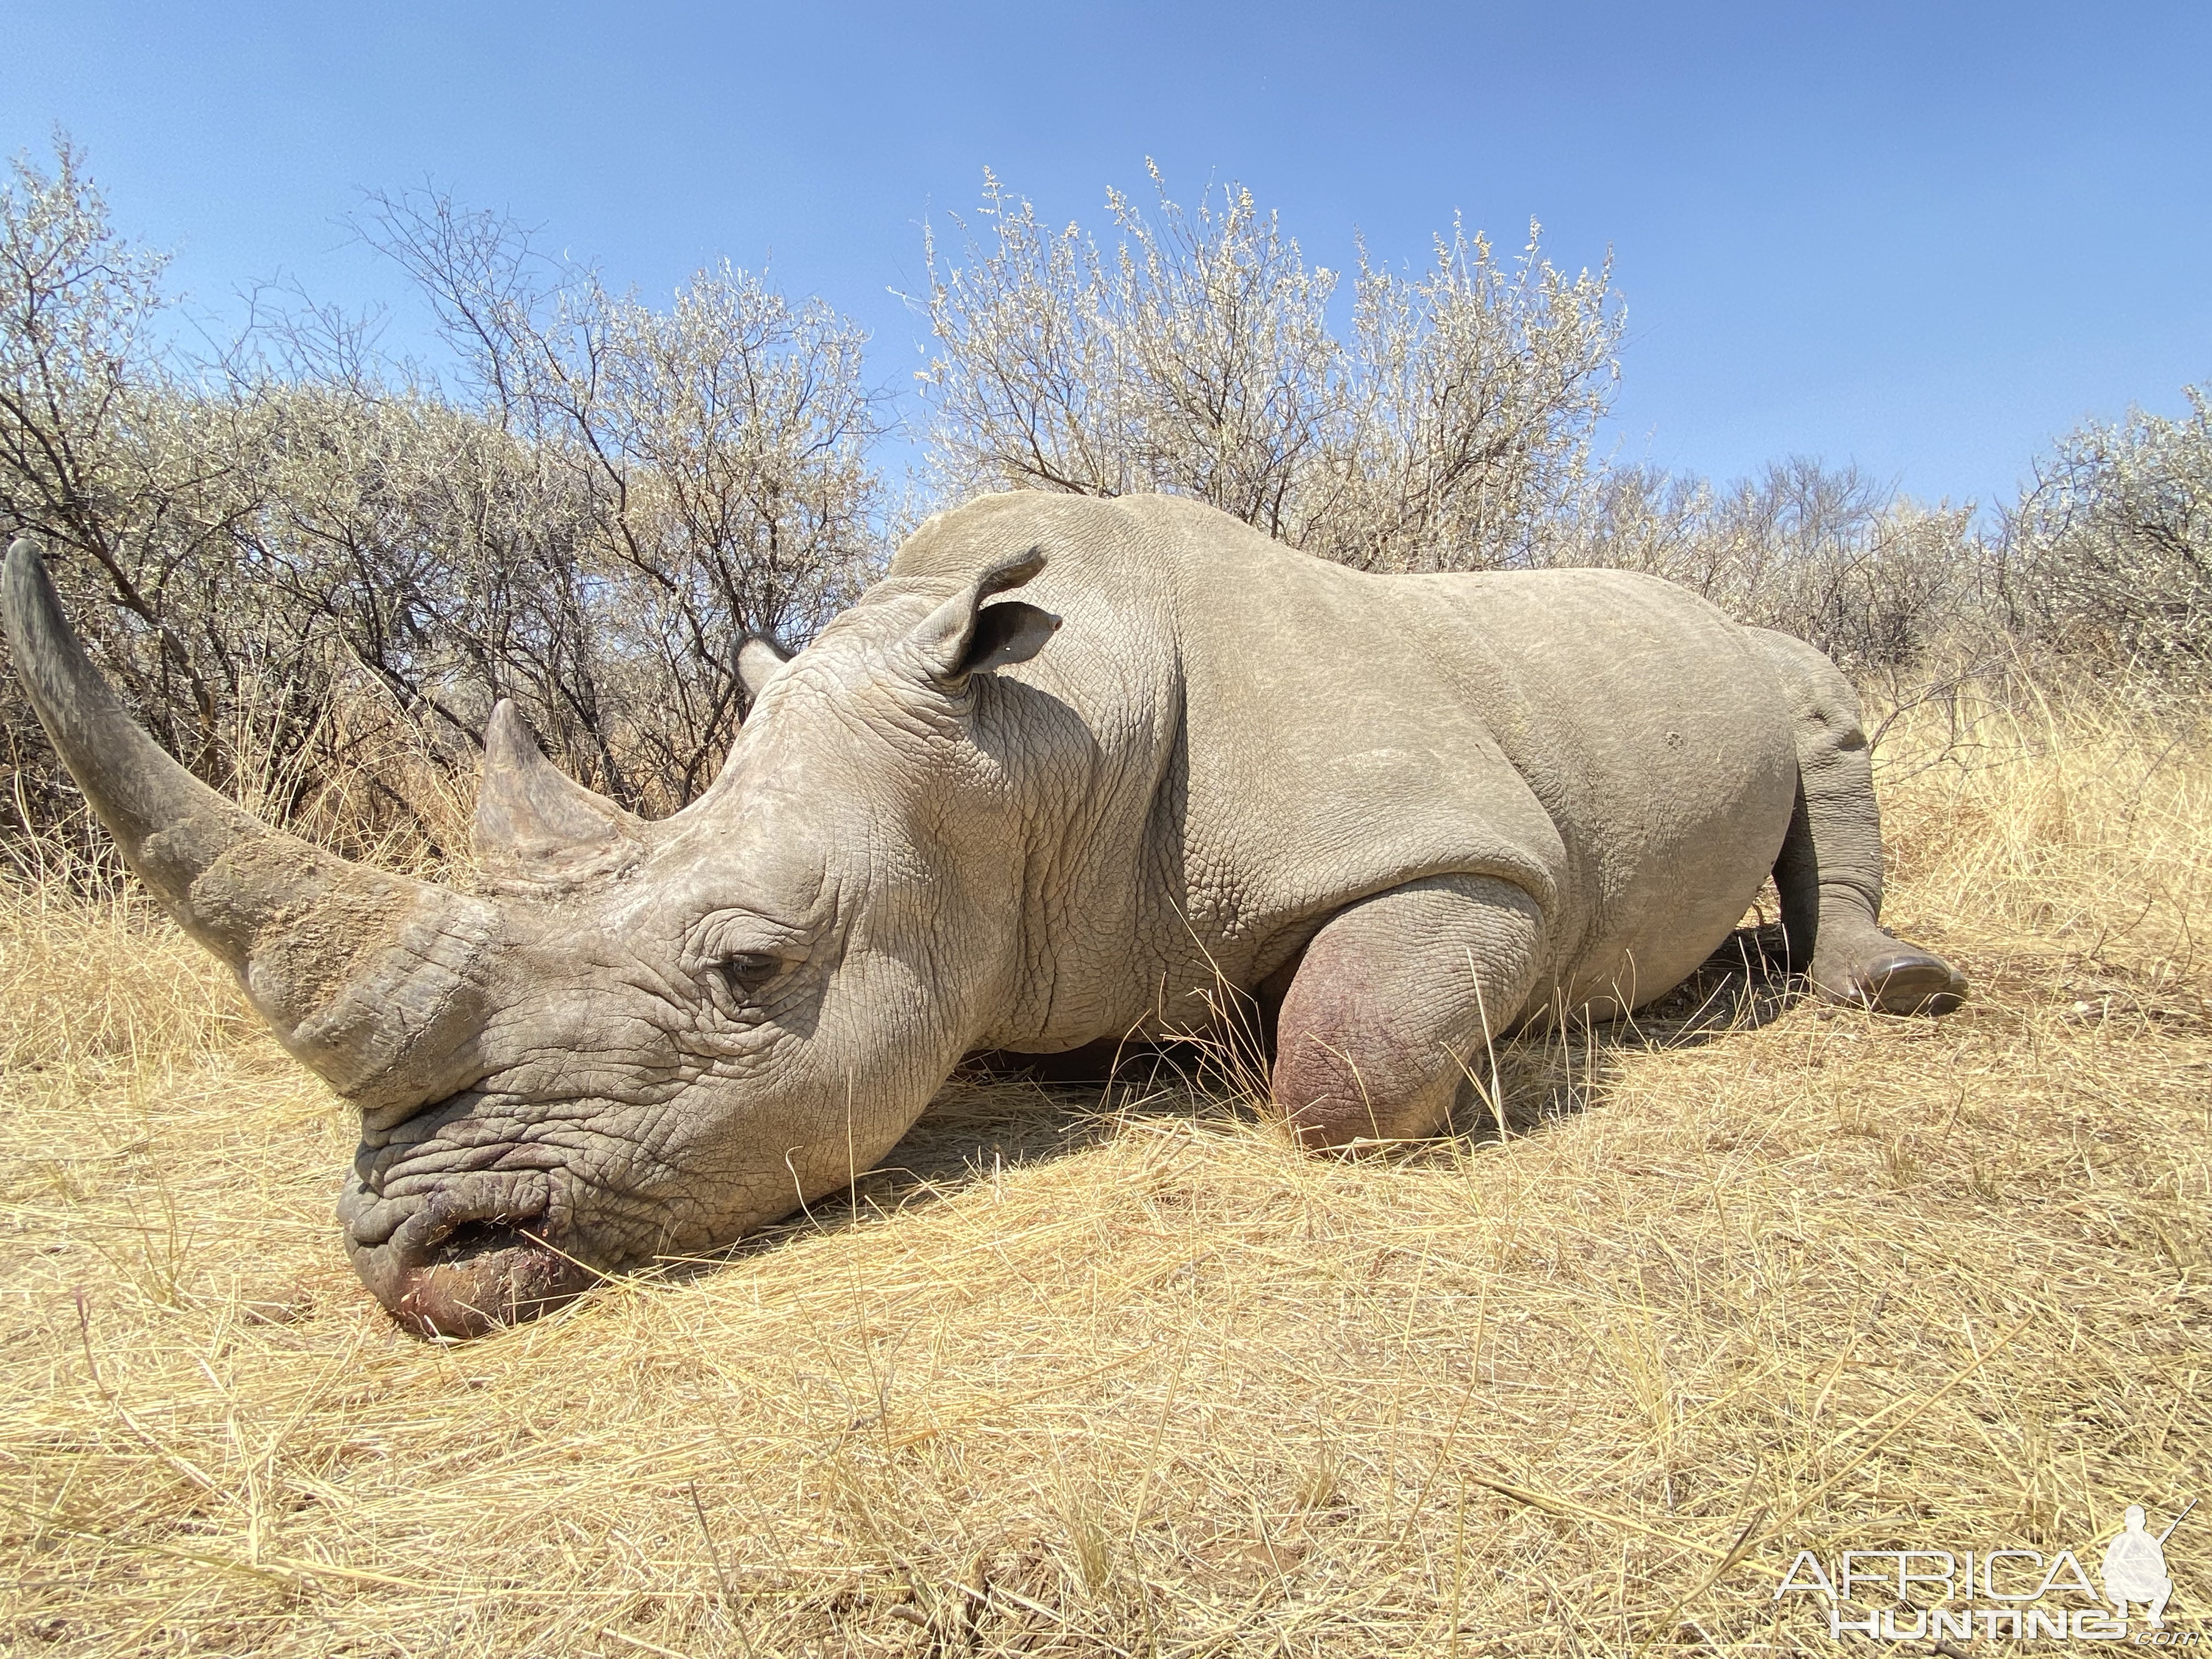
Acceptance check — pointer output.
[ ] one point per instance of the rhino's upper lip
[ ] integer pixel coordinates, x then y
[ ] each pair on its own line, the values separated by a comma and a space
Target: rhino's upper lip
410, 1225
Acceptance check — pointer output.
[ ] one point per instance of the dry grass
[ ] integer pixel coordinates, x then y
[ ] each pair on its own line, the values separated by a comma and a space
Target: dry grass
1128, 1376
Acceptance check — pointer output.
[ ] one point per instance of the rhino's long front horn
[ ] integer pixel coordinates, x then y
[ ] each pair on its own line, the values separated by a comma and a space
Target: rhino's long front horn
370, 979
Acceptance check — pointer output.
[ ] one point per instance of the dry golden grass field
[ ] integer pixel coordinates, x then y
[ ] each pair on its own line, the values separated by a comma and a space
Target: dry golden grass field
1125, 1374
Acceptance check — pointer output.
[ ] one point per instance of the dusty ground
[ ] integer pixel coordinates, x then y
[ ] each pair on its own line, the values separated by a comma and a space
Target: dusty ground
1125, 1374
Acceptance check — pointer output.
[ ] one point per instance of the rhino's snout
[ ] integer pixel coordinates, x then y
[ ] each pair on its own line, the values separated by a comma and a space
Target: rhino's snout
474, 1257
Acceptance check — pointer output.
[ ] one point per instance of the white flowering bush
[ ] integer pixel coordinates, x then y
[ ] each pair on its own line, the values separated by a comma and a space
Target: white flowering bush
2111, 547
1448, 425
1828, 554
302, 561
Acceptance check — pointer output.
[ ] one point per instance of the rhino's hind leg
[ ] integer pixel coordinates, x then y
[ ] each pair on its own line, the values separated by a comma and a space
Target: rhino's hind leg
1829, 873
1392, 1003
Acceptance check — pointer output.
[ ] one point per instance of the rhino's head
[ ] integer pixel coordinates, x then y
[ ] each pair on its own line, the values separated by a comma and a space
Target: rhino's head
642, 1039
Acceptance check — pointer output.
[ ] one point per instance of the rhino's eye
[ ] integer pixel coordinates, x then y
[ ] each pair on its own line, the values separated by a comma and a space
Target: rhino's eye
746, 971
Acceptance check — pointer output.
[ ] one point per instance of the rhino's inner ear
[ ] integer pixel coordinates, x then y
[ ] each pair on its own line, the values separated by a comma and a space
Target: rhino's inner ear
964, 636
758, 660
536, 826
1009, 633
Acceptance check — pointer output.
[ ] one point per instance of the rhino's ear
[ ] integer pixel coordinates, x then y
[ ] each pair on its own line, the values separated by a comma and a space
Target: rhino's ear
536, 827
964, 636
758, 659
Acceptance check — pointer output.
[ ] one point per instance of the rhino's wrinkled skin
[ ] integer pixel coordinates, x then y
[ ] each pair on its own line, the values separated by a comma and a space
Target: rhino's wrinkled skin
1401, 813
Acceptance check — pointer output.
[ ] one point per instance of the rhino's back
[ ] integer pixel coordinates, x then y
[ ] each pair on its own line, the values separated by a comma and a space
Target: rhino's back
1607, 740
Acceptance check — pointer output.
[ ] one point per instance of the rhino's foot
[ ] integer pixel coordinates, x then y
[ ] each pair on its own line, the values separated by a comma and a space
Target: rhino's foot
1892, 976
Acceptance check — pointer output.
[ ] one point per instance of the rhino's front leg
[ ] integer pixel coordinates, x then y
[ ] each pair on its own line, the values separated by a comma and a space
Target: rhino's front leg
1392, 1003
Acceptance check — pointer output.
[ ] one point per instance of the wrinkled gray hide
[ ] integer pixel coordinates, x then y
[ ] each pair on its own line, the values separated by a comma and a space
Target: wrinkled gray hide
1186, 769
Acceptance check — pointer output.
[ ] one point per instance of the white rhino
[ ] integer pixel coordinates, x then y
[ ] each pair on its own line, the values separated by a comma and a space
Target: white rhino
1400, 814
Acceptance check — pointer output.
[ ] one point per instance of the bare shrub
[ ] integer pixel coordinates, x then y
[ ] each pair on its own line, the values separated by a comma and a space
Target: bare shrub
313, 570
2112, 546
135, 481
1873, 579
1197, 358
716, 454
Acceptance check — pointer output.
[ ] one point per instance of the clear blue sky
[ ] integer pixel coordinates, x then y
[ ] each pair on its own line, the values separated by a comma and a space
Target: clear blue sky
1923, 237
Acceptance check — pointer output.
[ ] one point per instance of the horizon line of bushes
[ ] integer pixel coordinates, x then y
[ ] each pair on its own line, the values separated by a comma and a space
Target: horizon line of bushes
312, 569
